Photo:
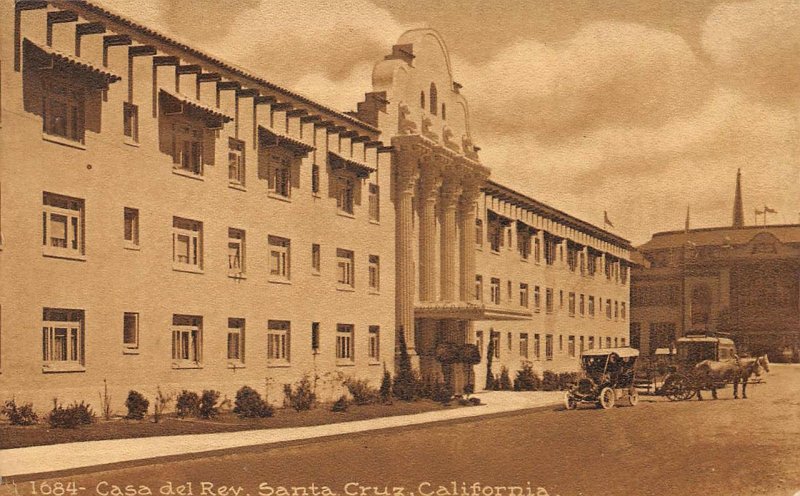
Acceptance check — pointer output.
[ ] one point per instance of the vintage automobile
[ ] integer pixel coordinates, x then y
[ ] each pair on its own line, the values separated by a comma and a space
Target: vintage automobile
608, 377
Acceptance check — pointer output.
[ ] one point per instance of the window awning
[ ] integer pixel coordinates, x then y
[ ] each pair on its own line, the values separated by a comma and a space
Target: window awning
495, 217
270, 137
174, 103
46, 58
360, 169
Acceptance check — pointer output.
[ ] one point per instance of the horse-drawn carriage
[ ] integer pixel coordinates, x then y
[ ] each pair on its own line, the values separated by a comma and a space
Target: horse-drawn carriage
706, 362
608, 377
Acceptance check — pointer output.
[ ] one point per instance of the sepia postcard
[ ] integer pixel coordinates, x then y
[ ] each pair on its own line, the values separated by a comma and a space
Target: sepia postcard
399, 248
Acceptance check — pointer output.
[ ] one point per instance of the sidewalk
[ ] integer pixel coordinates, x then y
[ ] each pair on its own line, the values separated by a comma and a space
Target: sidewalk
60, 457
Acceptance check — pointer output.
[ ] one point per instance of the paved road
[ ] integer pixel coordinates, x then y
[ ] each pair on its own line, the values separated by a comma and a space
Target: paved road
722, 447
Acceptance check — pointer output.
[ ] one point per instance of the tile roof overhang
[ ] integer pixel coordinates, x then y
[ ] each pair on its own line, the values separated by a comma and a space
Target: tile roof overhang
270, 137
174, 103
46, 58
338, 161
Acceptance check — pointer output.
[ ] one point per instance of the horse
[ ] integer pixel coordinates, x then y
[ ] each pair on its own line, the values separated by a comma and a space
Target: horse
709, 373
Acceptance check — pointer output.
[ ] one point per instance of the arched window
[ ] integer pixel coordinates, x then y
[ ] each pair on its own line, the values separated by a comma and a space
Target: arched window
444, 112
422, 99
434, 103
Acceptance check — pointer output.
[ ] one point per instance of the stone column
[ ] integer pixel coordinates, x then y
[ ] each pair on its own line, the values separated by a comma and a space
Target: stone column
406, 179
451, 191
470, 193
430, 180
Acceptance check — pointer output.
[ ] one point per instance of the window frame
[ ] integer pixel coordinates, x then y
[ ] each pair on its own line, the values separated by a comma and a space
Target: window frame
237, 328
130, 220
188, 140
237, 165
74, 226
237, 240
130, 122
374, 202
345, 269
72, 99
494, 290
345, 344
279, 341
70, 345
345, 194
374, 273
193, 231
189, 327
280, 253
130, 348
374, 343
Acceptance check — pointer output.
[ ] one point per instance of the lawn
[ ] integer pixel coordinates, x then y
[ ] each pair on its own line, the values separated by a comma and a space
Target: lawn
120, 428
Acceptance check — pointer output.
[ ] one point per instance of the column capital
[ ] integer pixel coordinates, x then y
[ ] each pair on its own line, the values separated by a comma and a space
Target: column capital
429, 184
451, 192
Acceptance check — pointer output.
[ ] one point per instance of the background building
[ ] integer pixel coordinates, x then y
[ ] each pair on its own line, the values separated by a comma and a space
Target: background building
744, 280
170, 221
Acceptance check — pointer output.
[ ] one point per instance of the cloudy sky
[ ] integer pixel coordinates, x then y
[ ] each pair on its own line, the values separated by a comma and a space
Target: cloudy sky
637, 107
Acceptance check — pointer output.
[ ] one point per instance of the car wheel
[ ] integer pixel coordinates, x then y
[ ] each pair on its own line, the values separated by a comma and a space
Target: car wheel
607, 398
633, 397
569, 402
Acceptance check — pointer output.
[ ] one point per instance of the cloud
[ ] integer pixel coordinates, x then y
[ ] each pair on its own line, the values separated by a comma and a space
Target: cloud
608, 73
756, 45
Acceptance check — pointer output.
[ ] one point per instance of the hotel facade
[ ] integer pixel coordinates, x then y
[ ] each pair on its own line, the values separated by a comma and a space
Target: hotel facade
168, 220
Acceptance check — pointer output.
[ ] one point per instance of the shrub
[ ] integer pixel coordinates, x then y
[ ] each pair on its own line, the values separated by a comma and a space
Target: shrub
469, 354
526, 379
441, 392
405, 382
187, 404
550, 381
160, 404
208, 404
19, 415
475, 401
567, 379
301, 396
72, 416
250, 405
340, 405
361, 391
504, 380
137, 405
385, 391
446, 353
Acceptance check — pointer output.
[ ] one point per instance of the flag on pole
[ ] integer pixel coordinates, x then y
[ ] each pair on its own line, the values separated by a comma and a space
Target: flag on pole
769, 210
606, 220
687, 219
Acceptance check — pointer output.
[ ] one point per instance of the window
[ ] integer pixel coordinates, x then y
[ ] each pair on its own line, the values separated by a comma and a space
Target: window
278, 341
422, 99
523, 241
537, 298
495, 337
523, 345
560, 343
616, 310
591, 306
374, 273
537, 249
444, 112
495, 234
479, 288
315, 178
236, 341
608, 342
561, 299
315, 337
279, 258
62, 339
591, 342
582, 344
316, 259
479, 341
344, 342
187, 341
616, 342
508, 290
187, 244
345, 194
623, 311
130, 331
494, 289
236, 252
63, 109
572, 257
571, 346
433, 99
374, 343
131, 227
537, 347
622, 342
479, 232
187, 147
548, 300
236, 161
345, 266
509, 341
523, 295
608, 309
550, 243
62, 226
130, 121
374, 203
280, 175
548, 347
582, 305
572, 304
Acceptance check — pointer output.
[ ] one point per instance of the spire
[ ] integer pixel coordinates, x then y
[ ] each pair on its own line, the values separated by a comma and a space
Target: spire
738, 208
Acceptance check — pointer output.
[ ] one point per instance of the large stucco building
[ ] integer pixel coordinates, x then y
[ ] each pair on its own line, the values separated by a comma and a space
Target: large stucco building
739, 279
170, 220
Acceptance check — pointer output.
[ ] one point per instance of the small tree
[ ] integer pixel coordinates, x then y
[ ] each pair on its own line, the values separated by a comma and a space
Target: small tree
208, 404
19, 414
385, 391
160, 404
405, 383
250, 405
187, 404
504, 381
489, 358
302, 396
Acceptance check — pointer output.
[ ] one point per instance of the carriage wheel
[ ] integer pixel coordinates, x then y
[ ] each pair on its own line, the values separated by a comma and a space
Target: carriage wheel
678, 387
607, 398
569, 402
633, 397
